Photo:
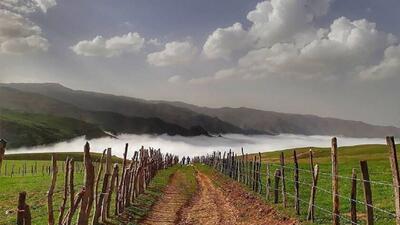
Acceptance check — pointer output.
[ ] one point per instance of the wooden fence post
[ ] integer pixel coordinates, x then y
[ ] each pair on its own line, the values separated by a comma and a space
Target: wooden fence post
113, 186
65, 196
106, 186
97, 200
335, 184
268, 182
50, 193
296, 184
367, 193
276, 189
353, 197
282, 159
88, 196
311, 205
121, 182
71, 189
395, 174
21, 208
3, 144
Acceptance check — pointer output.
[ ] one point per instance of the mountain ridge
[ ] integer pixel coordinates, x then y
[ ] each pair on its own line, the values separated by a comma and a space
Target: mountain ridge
214, 120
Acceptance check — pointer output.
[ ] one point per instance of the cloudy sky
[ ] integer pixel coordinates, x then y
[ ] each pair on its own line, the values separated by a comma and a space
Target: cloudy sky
335, 58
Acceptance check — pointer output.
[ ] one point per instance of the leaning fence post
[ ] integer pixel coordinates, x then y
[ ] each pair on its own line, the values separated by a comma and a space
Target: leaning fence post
276, 190
51, 191
353, 197
367, 193
267, 182
311, 205
335, 184
395, 174
282, 159
65, 196
296, 184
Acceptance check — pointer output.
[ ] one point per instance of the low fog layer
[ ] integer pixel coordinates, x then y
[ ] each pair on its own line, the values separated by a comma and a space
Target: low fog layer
199, 145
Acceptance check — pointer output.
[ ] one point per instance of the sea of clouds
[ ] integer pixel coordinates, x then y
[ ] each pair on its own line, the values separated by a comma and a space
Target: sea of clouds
200, 145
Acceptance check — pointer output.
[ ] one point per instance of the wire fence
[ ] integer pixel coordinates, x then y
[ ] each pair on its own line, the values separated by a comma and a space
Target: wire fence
359, 200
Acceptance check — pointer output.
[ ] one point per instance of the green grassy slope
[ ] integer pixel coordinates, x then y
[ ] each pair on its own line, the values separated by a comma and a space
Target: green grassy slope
377, 157
29, 129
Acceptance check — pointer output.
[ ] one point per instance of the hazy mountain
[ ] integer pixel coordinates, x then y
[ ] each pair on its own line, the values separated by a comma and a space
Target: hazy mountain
187, 116
131, 107
19, 101
276, 122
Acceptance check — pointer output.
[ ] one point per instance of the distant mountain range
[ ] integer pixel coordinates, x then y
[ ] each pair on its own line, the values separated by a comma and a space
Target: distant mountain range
120, 114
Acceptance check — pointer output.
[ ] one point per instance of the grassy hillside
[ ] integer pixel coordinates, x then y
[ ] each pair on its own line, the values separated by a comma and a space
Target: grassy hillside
377, 157
30, 129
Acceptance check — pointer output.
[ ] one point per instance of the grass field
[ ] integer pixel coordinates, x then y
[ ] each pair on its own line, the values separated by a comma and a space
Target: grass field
377, 157
36, 186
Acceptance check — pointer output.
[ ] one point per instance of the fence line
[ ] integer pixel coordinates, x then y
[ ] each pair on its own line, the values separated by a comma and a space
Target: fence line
91, 204
248, 171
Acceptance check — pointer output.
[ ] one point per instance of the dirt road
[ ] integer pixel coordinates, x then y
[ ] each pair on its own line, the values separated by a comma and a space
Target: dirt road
225, 204
165, 211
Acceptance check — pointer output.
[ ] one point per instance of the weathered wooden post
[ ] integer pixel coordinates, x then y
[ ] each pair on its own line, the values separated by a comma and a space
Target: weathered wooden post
74, 207
71, 189
97, 200
276, 188
50, 193
107, 187
353, 197
122, 180
112, 187
395, 174
282, 160
3, 144
311, 205
23, 211
268, 182
335, 184
367, 193
296, 184
88, 196
21, 208
65, 196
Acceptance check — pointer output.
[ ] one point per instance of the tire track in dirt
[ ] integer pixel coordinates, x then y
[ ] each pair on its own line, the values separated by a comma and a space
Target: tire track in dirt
166, 209
211, 206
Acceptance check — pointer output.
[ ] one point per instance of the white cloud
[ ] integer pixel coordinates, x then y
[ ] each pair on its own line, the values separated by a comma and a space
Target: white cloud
45, 4
115, 46
286, 42
174, 53
27, 6
388, 67
284, 20
154, 41
175, 79
19, 35
224, 41
272, 22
